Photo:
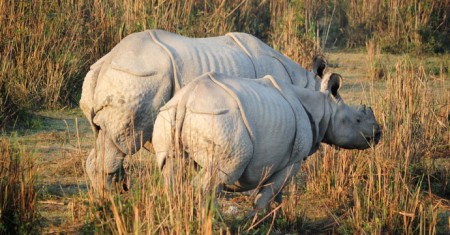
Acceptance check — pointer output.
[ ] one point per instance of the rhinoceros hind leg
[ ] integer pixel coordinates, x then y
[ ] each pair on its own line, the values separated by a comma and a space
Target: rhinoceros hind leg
104, 164
273, 187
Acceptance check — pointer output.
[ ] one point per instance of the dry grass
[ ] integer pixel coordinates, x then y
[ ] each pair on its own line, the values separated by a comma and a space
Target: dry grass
47, 47
385, 189
393, 188
150, 206
398, 26
18, 195
379, 189
376, 68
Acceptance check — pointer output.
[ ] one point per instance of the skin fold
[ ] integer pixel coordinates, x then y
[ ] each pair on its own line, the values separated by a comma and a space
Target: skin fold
254, 133
124, 90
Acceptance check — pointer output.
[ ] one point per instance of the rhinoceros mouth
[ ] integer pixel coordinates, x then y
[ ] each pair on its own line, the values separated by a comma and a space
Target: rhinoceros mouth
375, 138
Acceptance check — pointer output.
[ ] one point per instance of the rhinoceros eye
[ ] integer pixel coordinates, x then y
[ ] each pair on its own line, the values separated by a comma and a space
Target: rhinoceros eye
358, 120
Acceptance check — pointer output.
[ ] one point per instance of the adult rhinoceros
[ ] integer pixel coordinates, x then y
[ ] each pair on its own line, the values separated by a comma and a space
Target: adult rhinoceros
123, 89
249, 133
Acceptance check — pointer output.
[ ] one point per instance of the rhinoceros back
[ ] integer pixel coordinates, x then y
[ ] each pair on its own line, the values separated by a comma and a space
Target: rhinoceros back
235, 54
268, 61
193, 57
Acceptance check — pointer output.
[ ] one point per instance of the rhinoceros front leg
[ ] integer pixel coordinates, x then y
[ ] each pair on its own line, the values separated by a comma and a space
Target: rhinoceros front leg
104, 165
271, 190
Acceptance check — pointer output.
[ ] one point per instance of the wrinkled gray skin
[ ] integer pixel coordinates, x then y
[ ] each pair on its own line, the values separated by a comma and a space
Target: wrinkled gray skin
123, 89
253, 134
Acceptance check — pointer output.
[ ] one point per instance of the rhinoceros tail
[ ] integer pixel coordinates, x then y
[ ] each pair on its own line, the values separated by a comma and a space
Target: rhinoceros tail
183, 97
179, 120
94, 127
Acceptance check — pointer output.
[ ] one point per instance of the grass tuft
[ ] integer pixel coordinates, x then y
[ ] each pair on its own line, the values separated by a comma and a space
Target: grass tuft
18, 172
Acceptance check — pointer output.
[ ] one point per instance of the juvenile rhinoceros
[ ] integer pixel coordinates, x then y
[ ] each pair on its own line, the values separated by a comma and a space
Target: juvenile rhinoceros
123, 89
247, 133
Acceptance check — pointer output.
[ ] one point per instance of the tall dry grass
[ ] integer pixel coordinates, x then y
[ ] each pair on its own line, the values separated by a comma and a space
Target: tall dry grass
18, 195
376, 69
380, 189
385, 189
398, 25
152, 206
47, 46
292, 31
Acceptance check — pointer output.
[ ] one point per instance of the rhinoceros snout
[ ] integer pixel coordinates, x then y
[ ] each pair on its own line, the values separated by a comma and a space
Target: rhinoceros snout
375, 138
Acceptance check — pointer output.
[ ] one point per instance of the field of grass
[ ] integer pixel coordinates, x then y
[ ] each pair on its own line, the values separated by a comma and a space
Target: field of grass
401, 186
47, 46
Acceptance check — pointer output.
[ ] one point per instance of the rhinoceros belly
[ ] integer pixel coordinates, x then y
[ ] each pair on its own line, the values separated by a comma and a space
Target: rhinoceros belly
193, 57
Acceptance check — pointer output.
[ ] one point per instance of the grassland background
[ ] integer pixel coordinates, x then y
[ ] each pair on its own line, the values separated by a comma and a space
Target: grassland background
47, 46
400, 68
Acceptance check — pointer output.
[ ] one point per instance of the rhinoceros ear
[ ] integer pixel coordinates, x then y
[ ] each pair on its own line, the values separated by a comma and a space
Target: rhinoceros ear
332, 82
319, 65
